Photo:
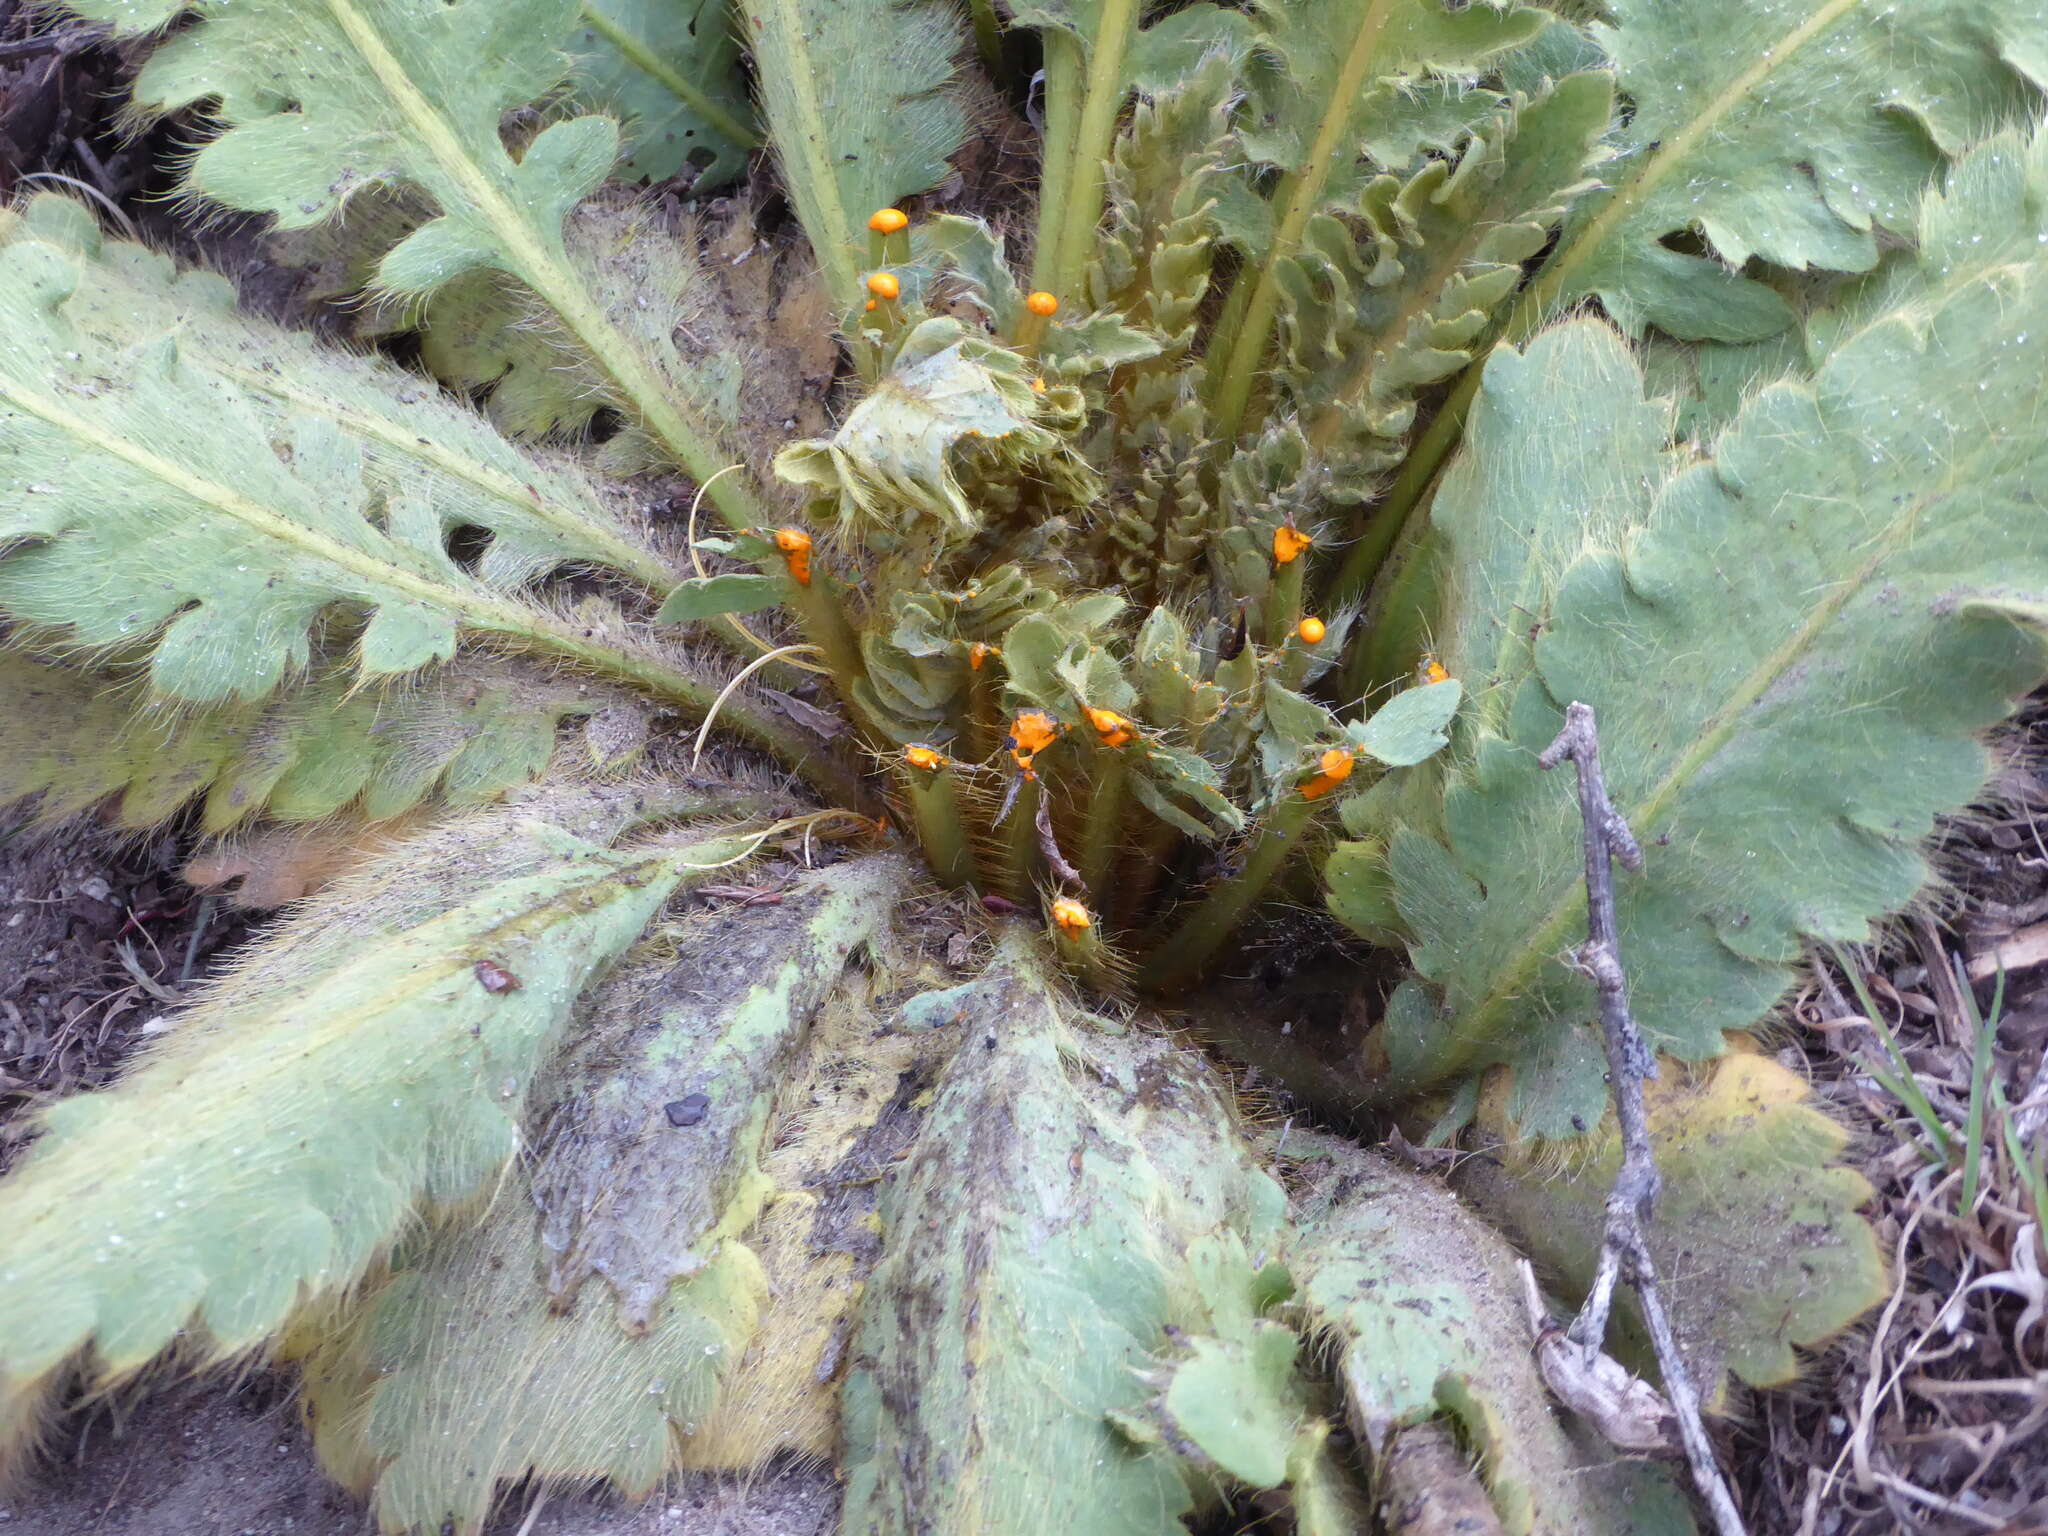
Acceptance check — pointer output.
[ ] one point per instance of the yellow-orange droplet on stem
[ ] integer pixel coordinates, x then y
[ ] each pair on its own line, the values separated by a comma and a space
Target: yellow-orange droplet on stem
1071, 916
1312, 630
1042, 304
883, 285
888, 221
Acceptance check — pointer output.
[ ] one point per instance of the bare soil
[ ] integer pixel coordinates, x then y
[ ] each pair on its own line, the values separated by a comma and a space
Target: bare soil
227, 1458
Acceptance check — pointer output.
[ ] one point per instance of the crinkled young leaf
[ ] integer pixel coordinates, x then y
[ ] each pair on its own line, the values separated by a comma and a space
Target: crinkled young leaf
1780, 726
1792, 132
373, 1058
1367, 323
1008, 1314
860, 105
1423, 1304
892, 458
669, 70
1327, 72
1758, 1245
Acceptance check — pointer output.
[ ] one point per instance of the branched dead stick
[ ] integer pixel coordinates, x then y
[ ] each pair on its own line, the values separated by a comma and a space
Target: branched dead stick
1624, 1251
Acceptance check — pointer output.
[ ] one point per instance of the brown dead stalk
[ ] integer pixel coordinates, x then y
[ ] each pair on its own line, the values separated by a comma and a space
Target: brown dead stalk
1624, 1251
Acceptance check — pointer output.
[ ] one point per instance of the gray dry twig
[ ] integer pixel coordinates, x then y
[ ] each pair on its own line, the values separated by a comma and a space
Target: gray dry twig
1624, 1250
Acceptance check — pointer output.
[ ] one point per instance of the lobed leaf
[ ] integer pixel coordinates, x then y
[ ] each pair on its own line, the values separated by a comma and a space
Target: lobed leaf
321, 103
1757, 1240
1794, 133
465, 736
541, 511
1791, 662
669, 71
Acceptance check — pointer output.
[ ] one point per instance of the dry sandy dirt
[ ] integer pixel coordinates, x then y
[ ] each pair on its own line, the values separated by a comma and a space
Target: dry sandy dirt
229, 1459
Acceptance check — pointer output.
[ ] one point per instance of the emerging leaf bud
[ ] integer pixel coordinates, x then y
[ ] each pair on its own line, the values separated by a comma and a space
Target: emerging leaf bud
869, 306
1042, 304
795, 545
1112, 727
888, 221
1071, 916
1312, 630
979, 653
883, 285
1288, 543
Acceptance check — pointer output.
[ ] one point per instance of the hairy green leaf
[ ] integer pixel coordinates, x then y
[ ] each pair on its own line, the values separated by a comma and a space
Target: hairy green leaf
1423, 1304
464, 736
1756, 1238
457, 1376
1791, 132
859, 99
1791, 663
669, 70
706, 597
372, 1058
1007, 1315
323, 102
540, 511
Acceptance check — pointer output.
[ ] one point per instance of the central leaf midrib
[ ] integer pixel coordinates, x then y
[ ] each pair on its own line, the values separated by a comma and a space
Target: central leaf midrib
1301, 193
829, 242
1551, 936
537, 266
479, 610
1662, 161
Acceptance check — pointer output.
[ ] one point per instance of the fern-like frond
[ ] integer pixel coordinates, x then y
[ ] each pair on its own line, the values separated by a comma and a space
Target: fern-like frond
1792, 661
859, 102
1367, 323
320, 102
669, 71
1164, 179
1333, 72
373, 1058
